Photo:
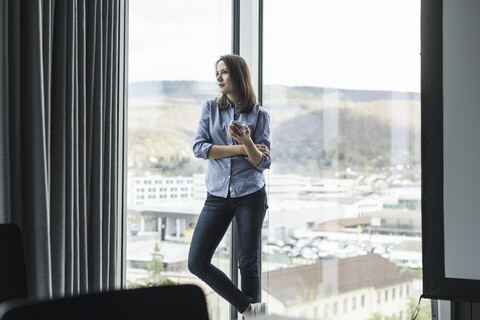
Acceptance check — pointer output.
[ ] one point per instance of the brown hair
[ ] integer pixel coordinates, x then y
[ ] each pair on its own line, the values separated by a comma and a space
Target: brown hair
240, 77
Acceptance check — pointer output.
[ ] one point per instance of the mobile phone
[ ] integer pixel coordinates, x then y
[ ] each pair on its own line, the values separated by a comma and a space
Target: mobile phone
240, 124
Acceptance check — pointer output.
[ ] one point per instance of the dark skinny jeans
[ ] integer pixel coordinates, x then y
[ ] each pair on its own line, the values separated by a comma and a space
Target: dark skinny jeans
212, 224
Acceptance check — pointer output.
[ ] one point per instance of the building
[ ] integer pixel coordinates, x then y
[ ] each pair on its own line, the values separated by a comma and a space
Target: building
177, 220
350, 288
403, 222
341, 224
359, 207
159, 189
388, 221
407, 253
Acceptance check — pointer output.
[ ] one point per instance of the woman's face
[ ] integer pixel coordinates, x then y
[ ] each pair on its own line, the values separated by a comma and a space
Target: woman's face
223, 79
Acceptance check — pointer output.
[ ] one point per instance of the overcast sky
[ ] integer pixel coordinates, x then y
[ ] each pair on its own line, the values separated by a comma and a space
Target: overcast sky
352, 44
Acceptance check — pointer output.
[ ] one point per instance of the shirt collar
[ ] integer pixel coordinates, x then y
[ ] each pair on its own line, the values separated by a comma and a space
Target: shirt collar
229, 104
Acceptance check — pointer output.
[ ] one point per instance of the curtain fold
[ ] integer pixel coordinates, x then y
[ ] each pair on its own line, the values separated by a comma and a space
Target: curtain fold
60, 157
4, 114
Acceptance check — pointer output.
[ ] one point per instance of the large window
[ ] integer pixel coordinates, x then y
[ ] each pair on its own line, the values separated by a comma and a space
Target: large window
173, 47
343, 232
342, 236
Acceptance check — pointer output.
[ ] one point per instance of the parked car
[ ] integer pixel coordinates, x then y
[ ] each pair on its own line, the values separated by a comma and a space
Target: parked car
271, 249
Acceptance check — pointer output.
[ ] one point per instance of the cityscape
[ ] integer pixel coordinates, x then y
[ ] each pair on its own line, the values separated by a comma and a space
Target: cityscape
320, 232
341, 239
342, 236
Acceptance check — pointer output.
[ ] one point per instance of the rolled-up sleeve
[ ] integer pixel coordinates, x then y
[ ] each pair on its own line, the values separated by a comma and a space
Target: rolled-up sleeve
203, 140
262, 136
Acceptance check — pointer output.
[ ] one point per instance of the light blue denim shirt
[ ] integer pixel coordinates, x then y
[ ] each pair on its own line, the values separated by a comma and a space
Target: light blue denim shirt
236, 173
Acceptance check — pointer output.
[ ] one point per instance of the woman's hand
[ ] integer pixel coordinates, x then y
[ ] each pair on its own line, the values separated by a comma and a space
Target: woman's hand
253, 151
242, 136
237, 133
262, 148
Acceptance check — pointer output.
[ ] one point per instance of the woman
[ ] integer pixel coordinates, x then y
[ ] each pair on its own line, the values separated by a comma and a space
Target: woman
237, 158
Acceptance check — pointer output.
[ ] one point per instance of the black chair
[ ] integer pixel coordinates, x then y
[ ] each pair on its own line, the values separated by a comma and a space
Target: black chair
180, 302
13, 275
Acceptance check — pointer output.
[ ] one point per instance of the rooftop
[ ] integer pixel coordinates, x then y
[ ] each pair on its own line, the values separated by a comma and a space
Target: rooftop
333, 277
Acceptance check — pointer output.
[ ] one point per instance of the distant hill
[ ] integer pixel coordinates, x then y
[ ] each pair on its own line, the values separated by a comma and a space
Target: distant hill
359, 95
313, 130
162, 89
365, 136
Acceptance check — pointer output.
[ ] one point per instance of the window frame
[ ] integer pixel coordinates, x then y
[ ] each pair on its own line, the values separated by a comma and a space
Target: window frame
246, 14
236, 49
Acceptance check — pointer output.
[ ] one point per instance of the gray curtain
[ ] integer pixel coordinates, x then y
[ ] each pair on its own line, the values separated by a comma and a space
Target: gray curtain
62, 109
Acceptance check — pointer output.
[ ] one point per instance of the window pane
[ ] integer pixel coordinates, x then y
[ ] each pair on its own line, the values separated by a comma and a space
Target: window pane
173, 48
342, 83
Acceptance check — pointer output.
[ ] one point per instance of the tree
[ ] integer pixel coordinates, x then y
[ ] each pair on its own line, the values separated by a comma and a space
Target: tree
424, 312
155, 268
